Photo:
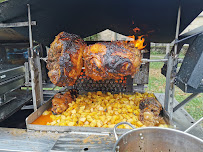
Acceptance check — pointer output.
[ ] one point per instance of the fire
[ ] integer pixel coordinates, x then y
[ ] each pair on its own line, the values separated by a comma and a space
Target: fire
136, 29
139, 43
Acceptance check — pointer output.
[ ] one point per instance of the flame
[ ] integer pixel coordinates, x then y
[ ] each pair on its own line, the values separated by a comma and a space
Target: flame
136, 29
139, 42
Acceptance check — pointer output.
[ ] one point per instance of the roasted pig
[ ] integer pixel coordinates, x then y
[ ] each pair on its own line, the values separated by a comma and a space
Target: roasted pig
60, 101
111, 60
150, 112
65, 59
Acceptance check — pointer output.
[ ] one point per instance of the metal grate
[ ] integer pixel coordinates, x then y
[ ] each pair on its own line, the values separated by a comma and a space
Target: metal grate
4, 67
84, 83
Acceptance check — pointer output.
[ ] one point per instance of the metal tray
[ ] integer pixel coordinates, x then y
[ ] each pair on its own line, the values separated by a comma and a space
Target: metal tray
32, 117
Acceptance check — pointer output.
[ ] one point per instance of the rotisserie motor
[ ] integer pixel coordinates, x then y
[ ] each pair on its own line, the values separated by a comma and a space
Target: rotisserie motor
65, 59
111, 60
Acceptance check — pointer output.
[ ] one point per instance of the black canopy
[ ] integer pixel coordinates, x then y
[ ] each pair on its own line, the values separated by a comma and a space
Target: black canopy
156, 18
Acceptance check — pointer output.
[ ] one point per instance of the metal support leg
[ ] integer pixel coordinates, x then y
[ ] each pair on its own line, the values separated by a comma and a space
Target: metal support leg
35, 67
185, 101
27, 83
171, 73
167, 48
168, 102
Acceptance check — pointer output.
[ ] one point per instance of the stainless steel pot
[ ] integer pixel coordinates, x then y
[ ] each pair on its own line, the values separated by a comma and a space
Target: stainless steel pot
156, 139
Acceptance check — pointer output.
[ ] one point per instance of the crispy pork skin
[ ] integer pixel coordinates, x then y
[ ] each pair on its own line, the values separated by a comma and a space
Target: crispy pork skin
150, 112
65, 59
111, 60
60, 101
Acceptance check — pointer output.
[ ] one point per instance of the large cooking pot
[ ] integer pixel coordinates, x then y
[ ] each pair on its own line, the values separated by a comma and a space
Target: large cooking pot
156, 139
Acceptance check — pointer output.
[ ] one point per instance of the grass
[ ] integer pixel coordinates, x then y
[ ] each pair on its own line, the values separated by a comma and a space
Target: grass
3, 1
157, 84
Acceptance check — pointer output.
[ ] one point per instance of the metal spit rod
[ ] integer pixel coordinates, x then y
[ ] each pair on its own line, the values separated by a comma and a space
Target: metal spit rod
159, 60
143, 60
30, 31
154, 60
187, 130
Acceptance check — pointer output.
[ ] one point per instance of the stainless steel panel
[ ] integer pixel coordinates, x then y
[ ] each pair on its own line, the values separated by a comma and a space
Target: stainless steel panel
12, 84
191, 72
19, 140
84, 142
8, 71
20, 98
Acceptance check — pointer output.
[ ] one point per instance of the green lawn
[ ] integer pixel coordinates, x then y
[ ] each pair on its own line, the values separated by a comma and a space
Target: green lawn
157, 84
3, 1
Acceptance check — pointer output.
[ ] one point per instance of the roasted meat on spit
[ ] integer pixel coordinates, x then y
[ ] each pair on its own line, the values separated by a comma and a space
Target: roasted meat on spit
60, 101
111, 60
150, 112
65, 59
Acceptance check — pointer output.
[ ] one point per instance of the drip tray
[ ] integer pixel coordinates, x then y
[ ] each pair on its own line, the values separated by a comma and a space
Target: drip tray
47, 105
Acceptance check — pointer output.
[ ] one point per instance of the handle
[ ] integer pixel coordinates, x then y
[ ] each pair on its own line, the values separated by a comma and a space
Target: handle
121, 123
193, 125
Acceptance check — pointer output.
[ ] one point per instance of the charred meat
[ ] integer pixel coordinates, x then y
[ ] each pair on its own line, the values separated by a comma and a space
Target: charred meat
150, 111
111, 60
65, 59
60, 101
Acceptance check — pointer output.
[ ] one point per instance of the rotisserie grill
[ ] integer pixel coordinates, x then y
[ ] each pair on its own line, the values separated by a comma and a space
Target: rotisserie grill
75, 89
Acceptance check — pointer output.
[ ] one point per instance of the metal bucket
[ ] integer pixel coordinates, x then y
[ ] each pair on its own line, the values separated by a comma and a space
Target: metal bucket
156, 139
